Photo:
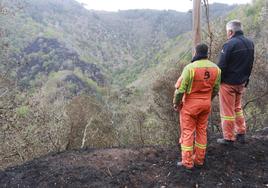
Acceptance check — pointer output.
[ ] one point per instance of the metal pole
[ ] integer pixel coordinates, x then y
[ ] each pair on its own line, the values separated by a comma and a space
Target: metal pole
266, 38
196, 23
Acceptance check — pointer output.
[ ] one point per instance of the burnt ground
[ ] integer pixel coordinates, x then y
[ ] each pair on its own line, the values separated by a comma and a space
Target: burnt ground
238, 166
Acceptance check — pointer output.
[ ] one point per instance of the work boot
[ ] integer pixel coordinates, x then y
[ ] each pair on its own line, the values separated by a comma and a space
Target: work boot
180, 165
198, 166
225, 142
240, 138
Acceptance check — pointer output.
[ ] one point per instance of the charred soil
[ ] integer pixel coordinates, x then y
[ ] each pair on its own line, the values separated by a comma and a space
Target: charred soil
238, 166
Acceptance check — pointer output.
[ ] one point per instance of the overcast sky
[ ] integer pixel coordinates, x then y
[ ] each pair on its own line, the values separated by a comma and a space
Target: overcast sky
179, 5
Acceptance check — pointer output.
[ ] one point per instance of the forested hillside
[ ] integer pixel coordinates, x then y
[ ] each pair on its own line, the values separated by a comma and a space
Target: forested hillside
73, 78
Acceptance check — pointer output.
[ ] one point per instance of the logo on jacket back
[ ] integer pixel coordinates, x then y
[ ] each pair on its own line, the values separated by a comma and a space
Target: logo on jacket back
206, 75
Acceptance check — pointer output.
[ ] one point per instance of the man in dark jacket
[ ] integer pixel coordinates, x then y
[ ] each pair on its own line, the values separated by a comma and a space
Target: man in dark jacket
236, 61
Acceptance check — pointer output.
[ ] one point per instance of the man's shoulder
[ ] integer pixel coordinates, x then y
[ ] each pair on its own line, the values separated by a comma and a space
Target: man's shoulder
189, 66
231, 41
248, 41
229, 44
212, 64
241, 39
204, 63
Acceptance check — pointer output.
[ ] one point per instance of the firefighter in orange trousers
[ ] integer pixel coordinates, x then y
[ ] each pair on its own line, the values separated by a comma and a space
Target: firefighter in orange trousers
195, 89
236, 61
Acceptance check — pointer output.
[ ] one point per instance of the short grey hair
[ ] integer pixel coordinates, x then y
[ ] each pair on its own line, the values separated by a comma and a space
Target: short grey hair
234, 25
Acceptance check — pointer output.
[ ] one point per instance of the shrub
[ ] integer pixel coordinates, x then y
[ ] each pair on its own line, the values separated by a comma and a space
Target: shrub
22, 111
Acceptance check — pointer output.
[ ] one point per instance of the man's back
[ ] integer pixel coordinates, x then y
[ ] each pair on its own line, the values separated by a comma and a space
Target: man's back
236, 59
200, 79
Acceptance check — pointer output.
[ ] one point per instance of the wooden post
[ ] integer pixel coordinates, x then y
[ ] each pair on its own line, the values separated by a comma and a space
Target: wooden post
196, 23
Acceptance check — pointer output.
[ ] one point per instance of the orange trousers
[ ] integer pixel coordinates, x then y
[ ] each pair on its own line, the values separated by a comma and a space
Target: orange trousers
193, 125
232, 118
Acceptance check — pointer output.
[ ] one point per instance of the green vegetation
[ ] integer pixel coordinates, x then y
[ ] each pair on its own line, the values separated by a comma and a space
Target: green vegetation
22, 111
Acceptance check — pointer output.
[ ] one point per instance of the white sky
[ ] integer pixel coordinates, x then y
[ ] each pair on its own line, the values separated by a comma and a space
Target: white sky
179, 5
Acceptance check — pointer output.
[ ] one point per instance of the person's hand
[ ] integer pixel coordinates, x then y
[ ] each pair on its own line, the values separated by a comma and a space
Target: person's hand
176, 107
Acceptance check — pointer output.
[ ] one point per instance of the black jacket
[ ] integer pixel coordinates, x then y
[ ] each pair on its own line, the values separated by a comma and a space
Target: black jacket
236, 59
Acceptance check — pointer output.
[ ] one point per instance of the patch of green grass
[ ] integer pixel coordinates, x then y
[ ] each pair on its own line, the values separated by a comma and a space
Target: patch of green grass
22, 111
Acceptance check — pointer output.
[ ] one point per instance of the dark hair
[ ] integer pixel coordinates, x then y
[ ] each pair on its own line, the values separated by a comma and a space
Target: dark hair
201, 49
